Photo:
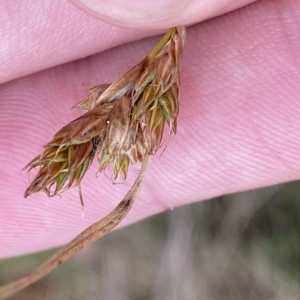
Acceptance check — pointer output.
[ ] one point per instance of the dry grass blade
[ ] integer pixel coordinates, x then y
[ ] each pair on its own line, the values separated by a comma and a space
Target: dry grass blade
88, 236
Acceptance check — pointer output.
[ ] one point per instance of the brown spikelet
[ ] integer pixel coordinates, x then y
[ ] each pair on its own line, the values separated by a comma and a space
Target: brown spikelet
125, 120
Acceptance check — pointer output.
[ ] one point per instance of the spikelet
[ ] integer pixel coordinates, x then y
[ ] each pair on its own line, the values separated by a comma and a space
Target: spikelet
124, 121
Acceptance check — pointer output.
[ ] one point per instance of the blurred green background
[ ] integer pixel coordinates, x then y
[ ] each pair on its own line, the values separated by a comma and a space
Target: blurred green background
241, 246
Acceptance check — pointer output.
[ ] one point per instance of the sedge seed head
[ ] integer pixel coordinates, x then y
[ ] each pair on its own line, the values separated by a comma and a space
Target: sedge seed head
124, 121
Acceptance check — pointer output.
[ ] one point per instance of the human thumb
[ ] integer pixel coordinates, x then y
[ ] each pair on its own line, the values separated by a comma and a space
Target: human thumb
157, 13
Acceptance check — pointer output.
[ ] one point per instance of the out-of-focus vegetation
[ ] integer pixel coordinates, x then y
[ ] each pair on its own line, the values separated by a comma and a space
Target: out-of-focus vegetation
242, 246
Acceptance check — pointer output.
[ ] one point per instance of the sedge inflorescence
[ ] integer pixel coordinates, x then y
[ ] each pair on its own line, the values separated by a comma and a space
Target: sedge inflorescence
124, 121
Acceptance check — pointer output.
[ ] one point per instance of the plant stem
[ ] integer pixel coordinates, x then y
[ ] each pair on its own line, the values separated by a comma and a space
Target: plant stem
88, 236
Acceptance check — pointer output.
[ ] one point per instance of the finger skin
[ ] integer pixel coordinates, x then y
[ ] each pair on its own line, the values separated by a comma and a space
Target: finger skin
238, 125
36, 35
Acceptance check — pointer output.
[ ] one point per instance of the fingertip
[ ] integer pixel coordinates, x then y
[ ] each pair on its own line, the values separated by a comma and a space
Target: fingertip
156, 14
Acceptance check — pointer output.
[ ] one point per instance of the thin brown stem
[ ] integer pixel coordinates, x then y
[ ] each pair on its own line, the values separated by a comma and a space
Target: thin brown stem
88, 236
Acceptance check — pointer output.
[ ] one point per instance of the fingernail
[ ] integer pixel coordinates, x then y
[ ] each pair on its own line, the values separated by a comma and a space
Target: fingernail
155, 13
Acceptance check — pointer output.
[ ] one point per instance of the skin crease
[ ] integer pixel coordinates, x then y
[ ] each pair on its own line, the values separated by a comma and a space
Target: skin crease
238, 125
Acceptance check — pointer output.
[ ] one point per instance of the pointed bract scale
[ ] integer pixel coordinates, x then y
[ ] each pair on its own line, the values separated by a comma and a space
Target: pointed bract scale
146, 99
166, 75
120, 166
155, 121
143, 82
118, 125
122, 86
91, 100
